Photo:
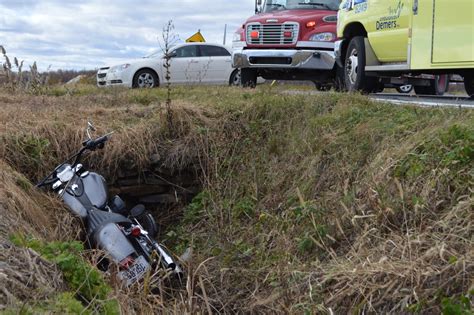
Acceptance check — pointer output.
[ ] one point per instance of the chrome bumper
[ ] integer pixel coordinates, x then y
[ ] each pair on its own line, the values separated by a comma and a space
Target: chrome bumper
284, 59
338, 53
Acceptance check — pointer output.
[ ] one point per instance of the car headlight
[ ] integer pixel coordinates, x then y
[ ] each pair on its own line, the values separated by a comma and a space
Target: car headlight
323, 37
120, 67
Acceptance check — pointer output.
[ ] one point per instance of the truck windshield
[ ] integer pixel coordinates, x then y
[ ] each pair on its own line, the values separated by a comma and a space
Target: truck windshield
275, 5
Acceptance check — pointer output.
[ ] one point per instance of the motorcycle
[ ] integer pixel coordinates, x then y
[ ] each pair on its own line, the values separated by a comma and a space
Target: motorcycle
126, 236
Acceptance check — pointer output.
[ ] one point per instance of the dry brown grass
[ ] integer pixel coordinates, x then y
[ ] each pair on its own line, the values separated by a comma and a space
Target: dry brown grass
140, 132
25, 276
329, 204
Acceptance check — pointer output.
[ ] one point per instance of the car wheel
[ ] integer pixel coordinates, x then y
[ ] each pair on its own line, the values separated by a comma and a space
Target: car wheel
469, 85
354, 68
145, 78
248, 77
235, 78
405, 89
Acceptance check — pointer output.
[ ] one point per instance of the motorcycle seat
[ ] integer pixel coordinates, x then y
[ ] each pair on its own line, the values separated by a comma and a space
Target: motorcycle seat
98, 218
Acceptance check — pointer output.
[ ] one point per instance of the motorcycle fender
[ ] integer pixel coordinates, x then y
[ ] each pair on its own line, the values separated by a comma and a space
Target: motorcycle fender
112, 240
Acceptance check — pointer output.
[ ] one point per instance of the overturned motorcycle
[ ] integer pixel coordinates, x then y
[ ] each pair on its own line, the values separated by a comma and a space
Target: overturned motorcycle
126, 236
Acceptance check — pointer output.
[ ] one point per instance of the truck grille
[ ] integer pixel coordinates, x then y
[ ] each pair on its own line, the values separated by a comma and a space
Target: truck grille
273, 34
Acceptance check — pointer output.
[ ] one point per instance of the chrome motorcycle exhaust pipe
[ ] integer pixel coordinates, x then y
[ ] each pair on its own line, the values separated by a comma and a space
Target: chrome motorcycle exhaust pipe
166, 259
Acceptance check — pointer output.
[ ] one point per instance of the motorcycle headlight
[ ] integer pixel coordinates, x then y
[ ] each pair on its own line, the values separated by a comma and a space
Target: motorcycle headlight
120, 67
323, 37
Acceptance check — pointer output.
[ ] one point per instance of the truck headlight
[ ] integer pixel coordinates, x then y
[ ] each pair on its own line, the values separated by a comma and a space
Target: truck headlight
237, 37
323, 37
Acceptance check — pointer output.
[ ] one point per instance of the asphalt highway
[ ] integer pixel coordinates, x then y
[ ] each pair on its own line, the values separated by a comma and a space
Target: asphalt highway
428, 101
448, 100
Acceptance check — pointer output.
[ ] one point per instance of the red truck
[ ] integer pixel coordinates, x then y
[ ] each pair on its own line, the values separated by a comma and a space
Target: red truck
288, 40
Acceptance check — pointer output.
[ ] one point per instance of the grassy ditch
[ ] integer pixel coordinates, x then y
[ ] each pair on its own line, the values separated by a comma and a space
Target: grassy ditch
310, 204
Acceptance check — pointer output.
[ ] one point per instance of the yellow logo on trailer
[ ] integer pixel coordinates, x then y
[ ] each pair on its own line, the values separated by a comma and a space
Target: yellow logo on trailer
196, 38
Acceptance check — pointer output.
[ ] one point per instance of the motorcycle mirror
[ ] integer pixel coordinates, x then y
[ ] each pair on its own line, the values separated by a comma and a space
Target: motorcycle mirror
137, 211
90, 127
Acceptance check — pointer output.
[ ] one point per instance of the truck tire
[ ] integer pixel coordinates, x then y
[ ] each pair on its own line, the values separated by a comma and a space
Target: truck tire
438, 86
248, 77
469, 85
354, 68
404, 89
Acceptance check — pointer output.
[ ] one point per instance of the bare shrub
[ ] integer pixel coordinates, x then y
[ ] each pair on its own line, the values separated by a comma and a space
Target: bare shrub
169, 39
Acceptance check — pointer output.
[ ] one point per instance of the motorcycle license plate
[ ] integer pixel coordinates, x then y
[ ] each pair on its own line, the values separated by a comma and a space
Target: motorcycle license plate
136, 271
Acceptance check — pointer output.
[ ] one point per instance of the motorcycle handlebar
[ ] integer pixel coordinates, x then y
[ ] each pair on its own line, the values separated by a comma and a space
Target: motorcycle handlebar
99, 143
91, 144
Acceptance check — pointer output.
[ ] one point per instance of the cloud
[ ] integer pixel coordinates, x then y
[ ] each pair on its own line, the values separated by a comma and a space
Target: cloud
86, 34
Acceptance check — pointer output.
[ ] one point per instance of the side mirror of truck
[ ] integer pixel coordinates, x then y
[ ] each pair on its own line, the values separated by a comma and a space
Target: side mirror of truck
258, 6
347, 5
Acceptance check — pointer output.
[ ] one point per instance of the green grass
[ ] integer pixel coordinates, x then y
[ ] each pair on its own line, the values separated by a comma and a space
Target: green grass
85, 281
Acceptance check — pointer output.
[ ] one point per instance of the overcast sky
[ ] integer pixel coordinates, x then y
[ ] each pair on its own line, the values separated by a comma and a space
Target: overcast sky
86, 34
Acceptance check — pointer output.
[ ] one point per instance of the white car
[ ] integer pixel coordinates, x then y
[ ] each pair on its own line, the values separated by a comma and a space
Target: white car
191, 63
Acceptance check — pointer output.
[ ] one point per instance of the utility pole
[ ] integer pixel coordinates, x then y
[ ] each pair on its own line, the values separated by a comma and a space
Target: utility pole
225, 33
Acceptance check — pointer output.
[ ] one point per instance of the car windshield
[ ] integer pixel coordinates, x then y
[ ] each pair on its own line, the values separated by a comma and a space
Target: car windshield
275, 5
156, 54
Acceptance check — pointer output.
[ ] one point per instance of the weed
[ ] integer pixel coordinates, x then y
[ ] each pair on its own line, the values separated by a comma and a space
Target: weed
244, 208
17, 79
457, 305
86, 280
195, 210
142, 97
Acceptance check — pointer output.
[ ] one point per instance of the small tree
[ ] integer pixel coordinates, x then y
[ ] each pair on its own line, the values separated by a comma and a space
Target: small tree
168, 40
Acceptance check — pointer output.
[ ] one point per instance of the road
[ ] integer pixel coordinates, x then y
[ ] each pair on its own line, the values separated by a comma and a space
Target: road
403, 99
428, 101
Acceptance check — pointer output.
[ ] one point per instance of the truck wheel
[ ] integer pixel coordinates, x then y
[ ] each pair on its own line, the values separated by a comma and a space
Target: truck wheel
469, 85
442, 84
438, 86
354, 68
405, 89
248, 77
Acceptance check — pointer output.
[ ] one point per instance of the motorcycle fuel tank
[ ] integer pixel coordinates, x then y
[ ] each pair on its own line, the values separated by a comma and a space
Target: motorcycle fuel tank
86, 191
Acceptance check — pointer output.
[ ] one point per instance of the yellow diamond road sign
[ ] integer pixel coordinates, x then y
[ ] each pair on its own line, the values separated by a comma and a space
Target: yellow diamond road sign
196, 38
